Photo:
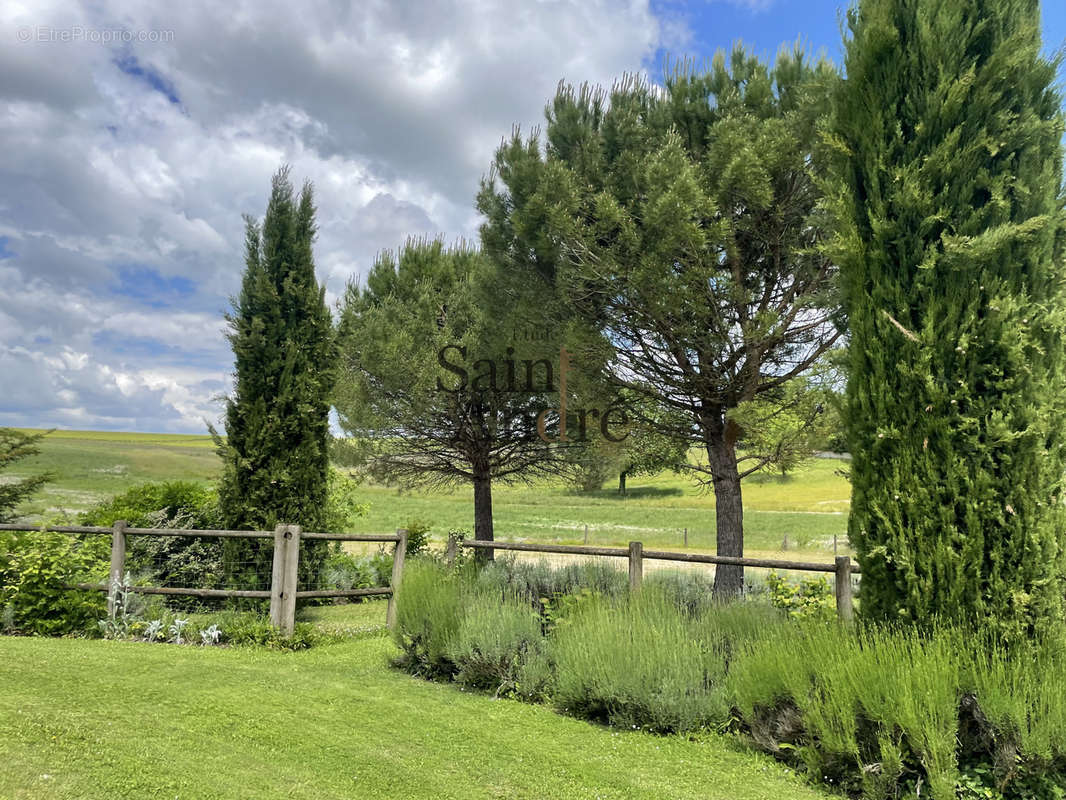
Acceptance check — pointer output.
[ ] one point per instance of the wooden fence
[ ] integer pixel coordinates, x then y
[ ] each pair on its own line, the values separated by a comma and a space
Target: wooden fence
283, 592
843, 568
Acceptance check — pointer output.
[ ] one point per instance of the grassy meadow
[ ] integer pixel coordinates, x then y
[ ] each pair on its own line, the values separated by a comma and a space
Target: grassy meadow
809, 506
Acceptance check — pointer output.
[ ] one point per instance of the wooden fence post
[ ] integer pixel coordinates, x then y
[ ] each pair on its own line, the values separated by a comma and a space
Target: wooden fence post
397, 577
118, 564
451, 552
636, 565
290, 583
845, 608
277, 577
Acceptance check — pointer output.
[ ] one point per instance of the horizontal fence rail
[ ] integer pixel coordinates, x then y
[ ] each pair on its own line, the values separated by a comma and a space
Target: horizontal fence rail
91, 530
283, 592
843, 567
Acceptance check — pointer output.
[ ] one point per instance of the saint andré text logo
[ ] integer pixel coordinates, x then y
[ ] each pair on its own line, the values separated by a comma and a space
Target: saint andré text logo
531, 377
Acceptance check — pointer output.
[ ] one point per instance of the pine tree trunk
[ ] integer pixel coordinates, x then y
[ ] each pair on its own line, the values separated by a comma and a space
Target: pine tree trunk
622, 483
483, 513
729, 507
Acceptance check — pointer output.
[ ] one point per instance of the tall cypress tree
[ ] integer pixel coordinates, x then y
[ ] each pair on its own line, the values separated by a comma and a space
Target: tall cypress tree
951, 257
277, 430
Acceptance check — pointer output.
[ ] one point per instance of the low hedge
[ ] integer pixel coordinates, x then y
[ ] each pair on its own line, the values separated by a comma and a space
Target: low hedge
875, 712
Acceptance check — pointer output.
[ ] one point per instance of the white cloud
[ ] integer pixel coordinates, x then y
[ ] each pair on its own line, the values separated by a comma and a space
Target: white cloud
123, 207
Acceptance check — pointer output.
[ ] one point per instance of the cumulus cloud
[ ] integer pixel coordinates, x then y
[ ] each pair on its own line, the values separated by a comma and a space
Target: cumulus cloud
133, 147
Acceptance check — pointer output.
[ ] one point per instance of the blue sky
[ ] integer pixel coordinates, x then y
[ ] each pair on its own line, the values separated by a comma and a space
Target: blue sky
135, 136
764, 24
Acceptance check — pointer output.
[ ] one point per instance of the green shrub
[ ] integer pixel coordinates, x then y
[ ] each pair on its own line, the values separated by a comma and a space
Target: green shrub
877, 709
248, 628
635, 664
495, 638
417, 537
168, 560
690, 590
343, 505
535, 580
811, 597
536, 677
346, 571
428, 614
35, 571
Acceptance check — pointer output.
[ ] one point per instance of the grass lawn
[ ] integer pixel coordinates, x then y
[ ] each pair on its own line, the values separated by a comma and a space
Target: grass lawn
808, 507
99, 719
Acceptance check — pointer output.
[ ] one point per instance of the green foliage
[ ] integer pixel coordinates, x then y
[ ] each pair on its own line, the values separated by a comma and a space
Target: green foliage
642, 663
594, 463
950, 245
535, 581
35, 569
682, 224
495, 639
811, 597
168, 560
15, 446
249, 628
875, 711
425, 312
343, 503
346, 571
786, 431
878, 709
428, 614
276, 450
417, 537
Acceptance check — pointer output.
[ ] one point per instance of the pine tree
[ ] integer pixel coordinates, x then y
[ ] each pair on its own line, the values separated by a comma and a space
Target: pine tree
433, 376
15, 446
276, 451
683, 224
951, 255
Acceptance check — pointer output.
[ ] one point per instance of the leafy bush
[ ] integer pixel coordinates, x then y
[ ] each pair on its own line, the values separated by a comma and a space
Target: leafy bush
428, 614
636, 664
811, 597
495, 638
343, 505
348, 571
35, 571
168, 560
535, 581
878, 710
417, 537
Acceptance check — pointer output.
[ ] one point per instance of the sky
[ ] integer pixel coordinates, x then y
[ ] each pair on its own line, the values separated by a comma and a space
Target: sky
133, 136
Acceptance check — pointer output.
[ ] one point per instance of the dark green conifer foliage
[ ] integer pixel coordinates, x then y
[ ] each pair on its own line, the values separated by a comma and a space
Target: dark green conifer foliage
15, 446
276, 451
951, 255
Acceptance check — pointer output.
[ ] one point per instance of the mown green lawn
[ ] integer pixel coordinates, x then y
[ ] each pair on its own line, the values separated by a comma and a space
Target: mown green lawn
98, 719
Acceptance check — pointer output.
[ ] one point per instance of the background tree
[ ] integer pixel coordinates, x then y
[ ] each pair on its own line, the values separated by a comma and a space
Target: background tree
427, 424
791, 427
14, 447
950, 132
683, 224
276, 451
